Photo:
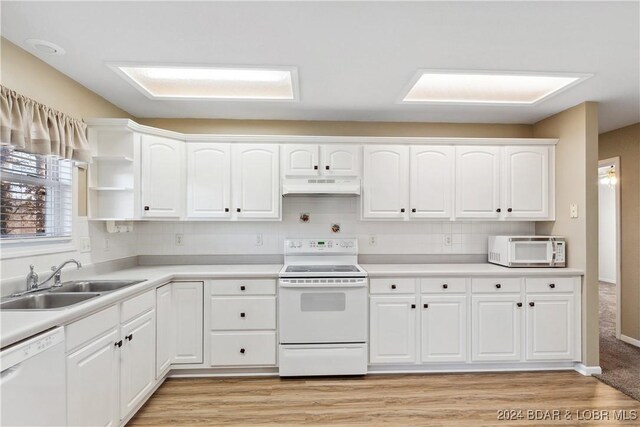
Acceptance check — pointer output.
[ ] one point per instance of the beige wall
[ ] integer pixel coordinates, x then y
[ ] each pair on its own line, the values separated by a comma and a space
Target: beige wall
577, 182
291, 127
29, 76
625, 143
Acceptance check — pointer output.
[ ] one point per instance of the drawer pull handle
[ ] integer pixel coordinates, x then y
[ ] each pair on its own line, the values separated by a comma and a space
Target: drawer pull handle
243, 288
498, 285
238, 210
242, 315
146, 208
402, 210
531, 304
242, 351
413, 306
509, 210
425, 305
327, 167
498, 210
226, 209
129, 337
552, 285
118, 343
413, 210
445, 286
519, 304
393, 286
315, 167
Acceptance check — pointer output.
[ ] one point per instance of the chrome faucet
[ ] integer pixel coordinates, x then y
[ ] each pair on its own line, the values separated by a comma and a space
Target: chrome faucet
56, 275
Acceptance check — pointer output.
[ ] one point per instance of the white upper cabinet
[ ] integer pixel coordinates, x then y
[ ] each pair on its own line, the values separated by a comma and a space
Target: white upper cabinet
208, 180
301, 159
385, 182
528, 179
478, 182
162, 177
315, 160
341, 160
256, 181
431, 181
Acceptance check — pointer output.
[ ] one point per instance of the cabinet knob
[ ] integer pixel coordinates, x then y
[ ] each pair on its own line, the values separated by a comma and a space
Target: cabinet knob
413, 306
425, 305
509, 210
445, 286
552, 285
243, 288
238, 209
129, 337
226, 209
498, 210
242, 351
519, 304
532, 304
146, 208
315, 167
327, 167
498, 285
242, 315
393, 286
413, 210
118, 343
402, 210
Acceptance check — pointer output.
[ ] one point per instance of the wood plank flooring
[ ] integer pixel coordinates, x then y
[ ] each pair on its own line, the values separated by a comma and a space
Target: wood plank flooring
395, 400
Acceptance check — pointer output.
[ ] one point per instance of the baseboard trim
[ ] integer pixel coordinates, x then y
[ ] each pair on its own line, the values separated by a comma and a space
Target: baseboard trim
630, 340
587, 371
444, 368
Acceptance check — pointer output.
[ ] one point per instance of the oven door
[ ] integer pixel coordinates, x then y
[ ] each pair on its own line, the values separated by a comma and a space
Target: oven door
322, 314
531, 252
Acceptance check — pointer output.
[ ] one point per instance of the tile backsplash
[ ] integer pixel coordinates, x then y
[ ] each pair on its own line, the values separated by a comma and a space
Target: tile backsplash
391, 237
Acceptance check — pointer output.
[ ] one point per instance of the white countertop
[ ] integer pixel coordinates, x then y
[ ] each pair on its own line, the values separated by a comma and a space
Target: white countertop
18, 325
453, 270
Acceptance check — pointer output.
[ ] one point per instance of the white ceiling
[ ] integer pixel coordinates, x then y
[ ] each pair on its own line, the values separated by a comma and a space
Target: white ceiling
354, 59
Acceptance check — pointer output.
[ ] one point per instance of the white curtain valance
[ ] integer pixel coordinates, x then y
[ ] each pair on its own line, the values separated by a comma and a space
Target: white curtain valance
29, 126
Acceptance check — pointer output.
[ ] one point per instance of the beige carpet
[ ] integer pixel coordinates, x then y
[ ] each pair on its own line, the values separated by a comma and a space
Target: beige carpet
620, 361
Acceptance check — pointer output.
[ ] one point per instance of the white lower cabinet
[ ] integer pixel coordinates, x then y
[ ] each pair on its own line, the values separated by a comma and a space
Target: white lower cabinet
92, 382
443, 328
392, 329
236, 348
164, 329
496, 321
550, 327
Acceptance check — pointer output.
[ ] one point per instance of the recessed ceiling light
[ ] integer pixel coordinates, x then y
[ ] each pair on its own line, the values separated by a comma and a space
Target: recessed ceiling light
474, 87
44, 46
231, 83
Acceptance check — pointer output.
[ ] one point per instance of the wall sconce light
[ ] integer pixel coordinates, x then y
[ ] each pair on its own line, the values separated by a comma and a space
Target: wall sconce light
609, 177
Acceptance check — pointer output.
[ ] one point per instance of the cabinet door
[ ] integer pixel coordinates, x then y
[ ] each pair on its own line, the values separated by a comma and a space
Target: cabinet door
392, 329
92, 383
431, 182
137, 362
300, 160
526, 182
385, 182
208, 180
341, 160
550, 327
164, 329
496, 327
188, 321
478, 182
444, 328
256, 181
162, 177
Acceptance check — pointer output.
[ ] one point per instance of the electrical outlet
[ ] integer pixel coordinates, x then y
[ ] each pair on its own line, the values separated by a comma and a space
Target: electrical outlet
447, 239
372, 240
179, 239
85, 244
105, 244
258, 239
573, 210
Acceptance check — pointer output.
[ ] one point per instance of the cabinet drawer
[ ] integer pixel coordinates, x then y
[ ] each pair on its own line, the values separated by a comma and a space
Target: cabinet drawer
91, 327
549, 284
243, 313
496, 284
443, 285
392, 286
243, 287
137, 305
243, 348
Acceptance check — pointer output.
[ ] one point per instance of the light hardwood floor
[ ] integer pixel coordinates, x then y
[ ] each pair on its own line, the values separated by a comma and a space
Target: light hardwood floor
398, 400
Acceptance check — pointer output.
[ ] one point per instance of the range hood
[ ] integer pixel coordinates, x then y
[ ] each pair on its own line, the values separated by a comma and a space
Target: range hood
321, 187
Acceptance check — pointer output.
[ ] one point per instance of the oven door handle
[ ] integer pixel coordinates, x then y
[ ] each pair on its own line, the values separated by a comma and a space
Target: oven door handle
321, 287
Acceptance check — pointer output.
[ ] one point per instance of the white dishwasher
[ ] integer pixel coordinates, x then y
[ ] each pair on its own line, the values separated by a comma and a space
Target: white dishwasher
33, 381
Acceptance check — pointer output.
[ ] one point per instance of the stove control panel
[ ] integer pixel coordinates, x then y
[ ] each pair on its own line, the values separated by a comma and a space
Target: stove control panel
334, 246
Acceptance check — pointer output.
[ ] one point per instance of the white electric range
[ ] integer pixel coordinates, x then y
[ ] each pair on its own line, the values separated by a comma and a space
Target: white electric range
322, 308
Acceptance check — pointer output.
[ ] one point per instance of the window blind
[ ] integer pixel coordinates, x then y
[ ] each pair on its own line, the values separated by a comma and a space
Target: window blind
35, 195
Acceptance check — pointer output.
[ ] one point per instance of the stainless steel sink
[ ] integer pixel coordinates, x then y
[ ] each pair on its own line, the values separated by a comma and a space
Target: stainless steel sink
100, 286
46, 301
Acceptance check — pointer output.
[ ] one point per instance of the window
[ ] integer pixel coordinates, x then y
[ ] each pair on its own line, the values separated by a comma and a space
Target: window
35, 196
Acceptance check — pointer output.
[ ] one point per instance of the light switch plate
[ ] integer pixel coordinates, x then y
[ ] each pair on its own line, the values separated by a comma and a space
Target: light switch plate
85, 244
573, 210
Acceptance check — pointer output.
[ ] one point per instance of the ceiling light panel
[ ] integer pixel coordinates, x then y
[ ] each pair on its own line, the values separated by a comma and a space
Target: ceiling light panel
231, 83
486, 88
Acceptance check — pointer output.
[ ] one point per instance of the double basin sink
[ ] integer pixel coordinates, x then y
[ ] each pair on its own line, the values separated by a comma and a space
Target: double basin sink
67, 295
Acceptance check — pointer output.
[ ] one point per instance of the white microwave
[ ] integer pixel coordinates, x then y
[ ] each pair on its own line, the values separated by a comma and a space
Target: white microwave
527, 251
